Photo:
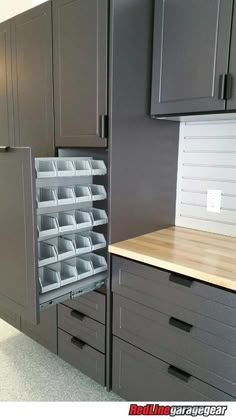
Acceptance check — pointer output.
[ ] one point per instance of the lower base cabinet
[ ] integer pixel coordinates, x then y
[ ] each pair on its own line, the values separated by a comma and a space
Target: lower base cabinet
137, 376
44, 333
10, 318
85, 358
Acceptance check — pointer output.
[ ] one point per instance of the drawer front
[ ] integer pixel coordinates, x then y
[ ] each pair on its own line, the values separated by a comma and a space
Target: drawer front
203, 355
211, 308
89, 361
92, 304
45, 333
82, 327
138, 376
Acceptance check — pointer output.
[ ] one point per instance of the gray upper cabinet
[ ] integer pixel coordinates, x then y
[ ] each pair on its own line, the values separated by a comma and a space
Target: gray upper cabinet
80, 31
32, 80
191, 52
6, 112
231, 103
18, 274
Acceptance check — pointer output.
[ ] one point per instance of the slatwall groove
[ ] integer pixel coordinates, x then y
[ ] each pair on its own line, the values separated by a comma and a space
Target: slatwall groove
207, 160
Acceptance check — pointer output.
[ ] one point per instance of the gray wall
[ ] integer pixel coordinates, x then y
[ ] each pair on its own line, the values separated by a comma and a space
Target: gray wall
207, 160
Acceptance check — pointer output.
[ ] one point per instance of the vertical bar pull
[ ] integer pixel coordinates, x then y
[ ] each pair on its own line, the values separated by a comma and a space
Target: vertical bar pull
104, 126
225, 86
222, 83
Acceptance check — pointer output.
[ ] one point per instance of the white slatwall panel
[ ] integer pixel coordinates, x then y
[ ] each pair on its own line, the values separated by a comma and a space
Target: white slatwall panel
207, 160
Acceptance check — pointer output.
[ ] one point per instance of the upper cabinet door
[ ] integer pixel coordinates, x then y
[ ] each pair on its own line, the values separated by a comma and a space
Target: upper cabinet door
231, 103
18, 268
80, 29
32, 79
191, 51
6, 110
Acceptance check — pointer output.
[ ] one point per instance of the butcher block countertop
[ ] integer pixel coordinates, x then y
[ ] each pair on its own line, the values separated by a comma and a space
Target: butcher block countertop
201, 255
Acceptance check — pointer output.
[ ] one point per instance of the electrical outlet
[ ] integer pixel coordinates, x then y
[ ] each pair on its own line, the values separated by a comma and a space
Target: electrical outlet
213, 201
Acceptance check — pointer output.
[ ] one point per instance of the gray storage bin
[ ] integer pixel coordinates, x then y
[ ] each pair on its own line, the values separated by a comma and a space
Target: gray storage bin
65, 167
98, 262
46, 254
84, 268
67, 273
48, 279
98, 167
47, 225
82, 194
64, 247
65, 195
83, 219
82, 244
98, 240
99, 217
46, 197
66, 222
82, 167
45, 168
98, 192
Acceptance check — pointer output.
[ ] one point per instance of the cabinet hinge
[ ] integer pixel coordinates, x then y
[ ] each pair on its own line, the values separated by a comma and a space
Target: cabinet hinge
225, 86
104, 126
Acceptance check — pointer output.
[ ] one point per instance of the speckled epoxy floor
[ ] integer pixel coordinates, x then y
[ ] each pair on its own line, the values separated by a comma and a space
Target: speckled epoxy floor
29, 372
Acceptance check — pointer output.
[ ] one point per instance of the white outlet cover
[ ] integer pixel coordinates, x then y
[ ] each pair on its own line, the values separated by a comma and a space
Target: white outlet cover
214, 201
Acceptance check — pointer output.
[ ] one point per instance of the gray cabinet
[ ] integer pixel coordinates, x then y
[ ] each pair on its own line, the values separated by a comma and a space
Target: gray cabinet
6, 110
31, 34
45, 333
191, 52
10, 317
80, 31
231, 103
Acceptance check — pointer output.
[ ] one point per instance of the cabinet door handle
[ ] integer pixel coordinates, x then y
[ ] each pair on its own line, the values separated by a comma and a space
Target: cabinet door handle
78, 343
182, 281
103, 126
77, 315
178, 373
4, 149
184, 326
225, 86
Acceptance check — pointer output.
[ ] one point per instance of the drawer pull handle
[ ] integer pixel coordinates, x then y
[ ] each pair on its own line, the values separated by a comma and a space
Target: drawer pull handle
178, 373
78, 343
77, 315
182, 281
180, 324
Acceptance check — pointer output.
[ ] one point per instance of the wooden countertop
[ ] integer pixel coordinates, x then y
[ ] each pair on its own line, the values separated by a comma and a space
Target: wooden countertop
201, 255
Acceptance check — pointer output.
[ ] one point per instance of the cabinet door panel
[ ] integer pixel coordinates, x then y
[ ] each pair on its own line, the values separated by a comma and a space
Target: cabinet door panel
6, 110
45, 333
32, 80
80, 71
191, 49
231, 103
10, 317
18, 274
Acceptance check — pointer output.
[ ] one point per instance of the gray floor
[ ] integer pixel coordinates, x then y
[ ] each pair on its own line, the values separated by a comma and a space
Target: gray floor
31, 373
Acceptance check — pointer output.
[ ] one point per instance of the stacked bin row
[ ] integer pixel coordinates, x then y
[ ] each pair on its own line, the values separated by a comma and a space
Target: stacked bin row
49, 197
50, 168
64, 247
75, 220
75, 269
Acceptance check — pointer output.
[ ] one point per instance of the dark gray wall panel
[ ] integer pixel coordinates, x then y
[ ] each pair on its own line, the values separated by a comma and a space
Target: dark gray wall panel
191, 47
80, 71
32, 80
6, 104
143, 152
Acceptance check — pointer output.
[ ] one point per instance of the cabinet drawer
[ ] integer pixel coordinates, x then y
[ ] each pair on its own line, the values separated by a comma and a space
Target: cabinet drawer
92, 304
208, 306
89, 361
82, 327
138, 376
203, 355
